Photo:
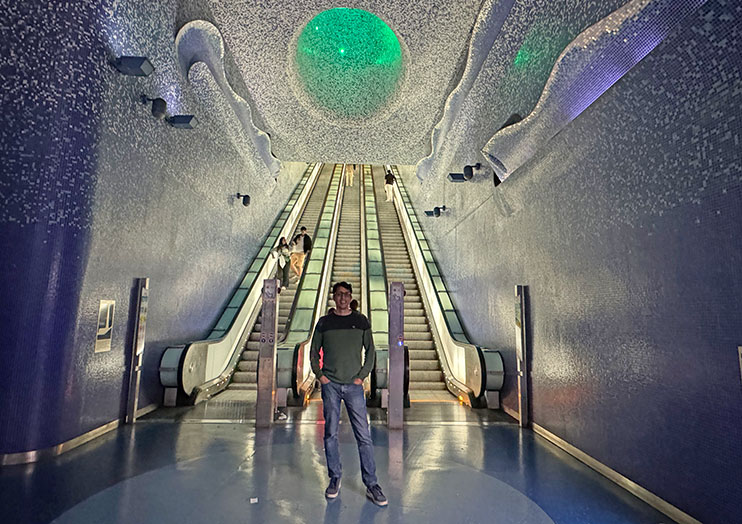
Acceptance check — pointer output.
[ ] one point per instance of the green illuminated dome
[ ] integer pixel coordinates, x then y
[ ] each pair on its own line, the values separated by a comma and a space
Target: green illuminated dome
349, 61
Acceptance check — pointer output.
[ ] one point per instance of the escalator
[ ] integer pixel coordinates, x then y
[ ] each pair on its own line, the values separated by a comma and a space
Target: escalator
359, 238
246, 374
347, 261
426, 377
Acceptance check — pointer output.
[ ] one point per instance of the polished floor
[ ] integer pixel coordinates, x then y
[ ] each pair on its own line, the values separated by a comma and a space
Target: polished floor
450, 464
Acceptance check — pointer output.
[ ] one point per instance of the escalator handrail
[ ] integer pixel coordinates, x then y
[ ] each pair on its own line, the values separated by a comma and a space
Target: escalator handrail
299, 340
463, 363
381, 314
281, 340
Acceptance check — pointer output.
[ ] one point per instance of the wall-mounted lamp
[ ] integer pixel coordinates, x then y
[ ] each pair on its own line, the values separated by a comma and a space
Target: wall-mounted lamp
436, 212
133, 65
458, 177
245, 199
470, 171
159, 106
159, 111
468, 174
182, 121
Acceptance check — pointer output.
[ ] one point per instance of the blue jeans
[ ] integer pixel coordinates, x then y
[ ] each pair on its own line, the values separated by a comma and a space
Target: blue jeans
355, 405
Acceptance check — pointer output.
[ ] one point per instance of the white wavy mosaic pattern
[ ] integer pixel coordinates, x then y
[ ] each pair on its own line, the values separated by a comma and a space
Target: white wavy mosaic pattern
201, 41
486, 29
588, 67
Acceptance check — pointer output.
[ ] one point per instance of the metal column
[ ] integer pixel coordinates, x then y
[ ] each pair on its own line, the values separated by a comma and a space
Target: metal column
521, 353
137, 351
395, 409
266, 405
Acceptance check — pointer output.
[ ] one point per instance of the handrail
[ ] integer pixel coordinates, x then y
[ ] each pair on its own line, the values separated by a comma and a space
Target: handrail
377, 284
369, 382
205, 366
469, 370
365, 303
310, 263
292, 358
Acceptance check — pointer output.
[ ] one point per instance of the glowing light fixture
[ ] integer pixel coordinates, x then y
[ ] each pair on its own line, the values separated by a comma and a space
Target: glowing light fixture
349, 61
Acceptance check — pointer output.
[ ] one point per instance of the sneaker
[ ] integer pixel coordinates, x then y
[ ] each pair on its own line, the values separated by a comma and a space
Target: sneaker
280, 415
333, 489
376, 496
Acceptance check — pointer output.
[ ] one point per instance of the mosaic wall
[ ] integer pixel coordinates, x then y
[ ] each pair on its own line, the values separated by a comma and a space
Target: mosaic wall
626, 229
95, 192
512, 76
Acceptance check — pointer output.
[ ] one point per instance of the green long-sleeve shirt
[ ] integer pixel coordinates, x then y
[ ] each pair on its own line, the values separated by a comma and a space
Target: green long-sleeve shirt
342, 339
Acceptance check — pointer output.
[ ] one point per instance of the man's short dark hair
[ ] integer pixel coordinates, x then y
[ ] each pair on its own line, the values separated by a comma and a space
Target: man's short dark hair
303, 228
346, 285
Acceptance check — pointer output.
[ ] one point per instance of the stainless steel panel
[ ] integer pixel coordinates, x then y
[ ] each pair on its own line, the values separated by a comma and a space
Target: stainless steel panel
266, 404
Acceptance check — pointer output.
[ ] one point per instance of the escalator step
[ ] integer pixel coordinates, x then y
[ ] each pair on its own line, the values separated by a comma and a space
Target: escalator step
419, 354
425, 376
424, 365
243, 386
427, 386
247, 365
420, 344
243, 377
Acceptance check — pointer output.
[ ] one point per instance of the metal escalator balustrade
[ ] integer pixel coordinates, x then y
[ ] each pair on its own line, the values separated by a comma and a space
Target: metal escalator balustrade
246, 375
376, 284
293, 371
201, 369
473, 373
425, 371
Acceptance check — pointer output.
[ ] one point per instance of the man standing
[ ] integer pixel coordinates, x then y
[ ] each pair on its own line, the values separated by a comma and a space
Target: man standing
342, 336
389, 180
306, 239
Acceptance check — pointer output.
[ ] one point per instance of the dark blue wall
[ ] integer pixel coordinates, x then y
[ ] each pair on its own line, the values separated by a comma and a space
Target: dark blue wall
626, 227
95, 192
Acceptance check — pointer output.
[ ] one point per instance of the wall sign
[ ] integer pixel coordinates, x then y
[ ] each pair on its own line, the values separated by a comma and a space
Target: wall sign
105, 326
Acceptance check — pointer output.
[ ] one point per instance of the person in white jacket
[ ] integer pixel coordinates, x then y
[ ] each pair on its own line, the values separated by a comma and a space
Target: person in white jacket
282, 252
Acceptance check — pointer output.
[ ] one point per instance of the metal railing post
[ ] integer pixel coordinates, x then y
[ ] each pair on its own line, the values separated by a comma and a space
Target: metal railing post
521, 354
395, 409
137, 351
266, 405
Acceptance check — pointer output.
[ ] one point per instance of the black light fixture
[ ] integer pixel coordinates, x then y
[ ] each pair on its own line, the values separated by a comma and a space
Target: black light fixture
159, 106
458, 177
468, 174
182, 121
245, 199
159, 111
470, 171
436, 211
133, 65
